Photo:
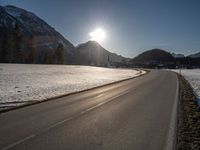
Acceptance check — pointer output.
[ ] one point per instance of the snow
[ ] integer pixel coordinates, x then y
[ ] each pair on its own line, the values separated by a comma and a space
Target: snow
193, 76
13, 12
178, 55
22, 83
196, 55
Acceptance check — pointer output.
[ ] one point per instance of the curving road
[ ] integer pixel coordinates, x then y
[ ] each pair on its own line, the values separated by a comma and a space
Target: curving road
132, 115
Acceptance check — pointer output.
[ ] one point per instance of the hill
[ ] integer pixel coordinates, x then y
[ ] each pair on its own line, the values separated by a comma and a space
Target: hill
153, 58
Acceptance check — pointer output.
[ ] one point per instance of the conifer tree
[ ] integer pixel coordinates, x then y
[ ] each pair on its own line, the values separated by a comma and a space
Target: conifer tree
60, 54
17, 39
31, 42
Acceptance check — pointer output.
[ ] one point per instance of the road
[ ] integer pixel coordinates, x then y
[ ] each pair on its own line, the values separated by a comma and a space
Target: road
130, 115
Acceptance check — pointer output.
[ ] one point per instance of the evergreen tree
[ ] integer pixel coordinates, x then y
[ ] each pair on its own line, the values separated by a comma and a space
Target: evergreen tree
59, 54
48, 56
17, 39
4, 47
31, 43
8, 47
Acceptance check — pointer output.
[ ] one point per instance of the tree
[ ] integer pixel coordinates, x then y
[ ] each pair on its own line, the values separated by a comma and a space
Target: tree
59, 54
5, 43
8, 46
31, 45
48, 56
17, 39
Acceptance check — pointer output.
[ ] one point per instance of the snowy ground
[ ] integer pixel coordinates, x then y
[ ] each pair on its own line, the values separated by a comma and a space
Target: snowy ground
193, 76
21, 84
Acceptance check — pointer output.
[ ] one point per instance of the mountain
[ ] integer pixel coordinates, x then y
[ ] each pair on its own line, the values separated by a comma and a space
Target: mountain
196, 55
178, 55
92, 53
153, 58
191, 61
26, 38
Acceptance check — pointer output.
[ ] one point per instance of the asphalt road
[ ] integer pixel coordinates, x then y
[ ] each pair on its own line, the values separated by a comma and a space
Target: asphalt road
131, 115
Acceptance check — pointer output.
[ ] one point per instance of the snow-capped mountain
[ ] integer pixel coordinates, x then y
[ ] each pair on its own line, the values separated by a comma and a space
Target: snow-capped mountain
196, 55
30, 23
92, 53
31, 29
178, 55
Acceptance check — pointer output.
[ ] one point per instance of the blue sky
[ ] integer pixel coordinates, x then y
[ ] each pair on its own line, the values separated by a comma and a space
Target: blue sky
132, 26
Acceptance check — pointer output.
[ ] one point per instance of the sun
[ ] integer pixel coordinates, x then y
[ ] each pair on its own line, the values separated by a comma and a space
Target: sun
98, 35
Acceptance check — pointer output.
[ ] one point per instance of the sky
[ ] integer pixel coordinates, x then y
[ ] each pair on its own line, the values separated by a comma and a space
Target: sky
131, 26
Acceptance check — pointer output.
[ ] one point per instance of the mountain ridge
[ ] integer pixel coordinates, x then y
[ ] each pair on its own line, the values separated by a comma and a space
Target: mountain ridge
195, 55
34, 33
26, 38
92, 53
36, 37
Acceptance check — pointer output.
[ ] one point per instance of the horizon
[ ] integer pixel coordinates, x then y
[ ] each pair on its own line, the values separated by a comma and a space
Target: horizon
131, 27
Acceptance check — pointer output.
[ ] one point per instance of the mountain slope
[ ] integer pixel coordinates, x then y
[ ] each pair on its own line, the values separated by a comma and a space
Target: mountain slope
196, 55
92, 53
35, 37
178, 55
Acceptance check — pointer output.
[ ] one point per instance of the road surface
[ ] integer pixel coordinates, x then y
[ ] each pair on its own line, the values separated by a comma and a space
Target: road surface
130, 115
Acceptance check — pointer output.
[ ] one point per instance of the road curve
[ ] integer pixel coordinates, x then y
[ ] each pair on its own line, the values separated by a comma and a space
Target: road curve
131, 115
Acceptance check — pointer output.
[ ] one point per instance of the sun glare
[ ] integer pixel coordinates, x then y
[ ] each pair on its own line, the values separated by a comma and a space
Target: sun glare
97, 35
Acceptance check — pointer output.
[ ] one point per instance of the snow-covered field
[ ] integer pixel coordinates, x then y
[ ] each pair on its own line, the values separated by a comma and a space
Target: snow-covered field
193, 76
21, 84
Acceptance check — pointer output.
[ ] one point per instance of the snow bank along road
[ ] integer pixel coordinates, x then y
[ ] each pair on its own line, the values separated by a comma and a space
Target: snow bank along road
193, 77
21, 84
132, 115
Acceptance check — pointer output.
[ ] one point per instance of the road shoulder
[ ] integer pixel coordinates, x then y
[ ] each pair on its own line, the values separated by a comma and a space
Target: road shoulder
188, 119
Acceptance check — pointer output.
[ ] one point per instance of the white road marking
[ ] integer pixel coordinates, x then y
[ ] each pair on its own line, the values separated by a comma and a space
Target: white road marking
65, 120
18, 142
172, 137
100, 95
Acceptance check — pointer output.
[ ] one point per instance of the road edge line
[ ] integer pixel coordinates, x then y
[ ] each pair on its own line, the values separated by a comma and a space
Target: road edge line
72, 93
171, 141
